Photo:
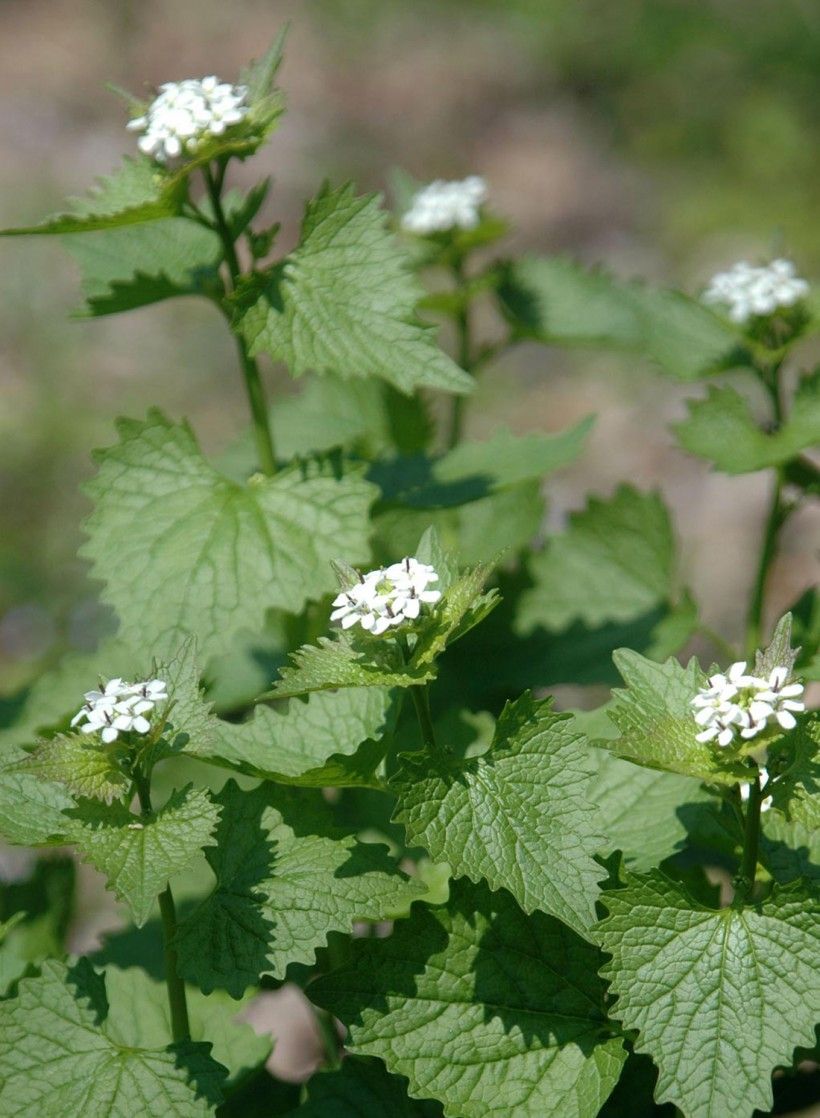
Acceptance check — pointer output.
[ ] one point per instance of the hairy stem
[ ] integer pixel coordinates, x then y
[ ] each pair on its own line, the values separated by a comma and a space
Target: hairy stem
250, 369
177, 1001
463, 356
751, 842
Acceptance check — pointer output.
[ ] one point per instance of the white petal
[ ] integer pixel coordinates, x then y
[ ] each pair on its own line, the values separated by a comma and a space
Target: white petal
109, 734
786, 719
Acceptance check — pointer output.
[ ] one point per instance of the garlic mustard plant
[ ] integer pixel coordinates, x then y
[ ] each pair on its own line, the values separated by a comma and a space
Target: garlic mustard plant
539, 931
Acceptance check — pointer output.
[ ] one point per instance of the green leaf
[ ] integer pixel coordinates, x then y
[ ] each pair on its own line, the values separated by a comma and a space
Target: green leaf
519, 816
190, 726
779, 651
31, 808
614, 562
139, 1017
343, 301
57, 1058
493, 1012
285, 878
645, 814
346, 661
139, 191
719, 998
797, 792
184, 551
722, 429
351, 660
295, 746
139, 264
80, 763
475, 470
362, 1088
44, 908
789, 850
260, 79
655, 718
139, 855
559, 301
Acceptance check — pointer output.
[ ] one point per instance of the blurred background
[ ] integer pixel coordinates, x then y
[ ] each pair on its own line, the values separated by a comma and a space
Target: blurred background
666, 138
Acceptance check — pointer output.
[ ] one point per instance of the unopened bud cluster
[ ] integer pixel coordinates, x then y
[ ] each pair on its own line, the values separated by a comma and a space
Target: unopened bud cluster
748, 291
386, 597
739, 705
441, 206
119, 708
186, 113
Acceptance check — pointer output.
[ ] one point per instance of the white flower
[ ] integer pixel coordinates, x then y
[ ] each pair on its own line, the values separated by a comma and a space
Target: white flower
185, 113
748, 291
386, 597
738, 704
446, 205
120, 707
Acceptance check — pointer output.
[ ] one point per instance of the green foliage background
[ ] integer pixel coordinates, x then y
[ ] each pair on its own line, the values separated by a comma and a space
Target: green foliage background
666, 139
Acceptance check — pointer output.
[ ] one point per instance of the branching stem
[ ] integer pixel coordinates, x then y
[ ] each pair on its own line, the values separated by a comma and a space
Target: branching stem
263, 435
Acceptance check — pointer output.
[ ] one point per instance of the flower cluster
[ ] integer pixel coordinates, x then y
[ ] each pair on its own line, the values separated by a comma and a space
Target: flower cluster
446, 205
119, 707
748, 291
185, 113
386, 597
738, 703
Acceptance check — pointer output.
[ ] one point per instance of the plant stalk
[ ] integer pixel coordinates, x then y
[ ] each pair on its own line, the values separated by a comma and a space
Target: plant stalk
177, 1000
263, 435
463, 357
774, 521
421, 701
751, 842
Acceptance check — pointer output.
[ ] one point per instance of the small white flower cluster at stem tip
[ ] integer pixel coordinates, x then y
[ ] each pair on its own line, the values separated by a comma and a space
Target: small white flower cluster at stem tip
748, 291
187, 112
120, 707
446, 205
386, 597
739, 704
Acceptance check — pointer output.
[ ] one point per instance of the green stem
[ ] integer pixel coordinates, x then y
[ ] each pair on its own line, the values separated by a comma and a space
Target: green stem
463, 356
250, 370
421, 701
329, 1038
774, 521
177, 1001
751, 842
